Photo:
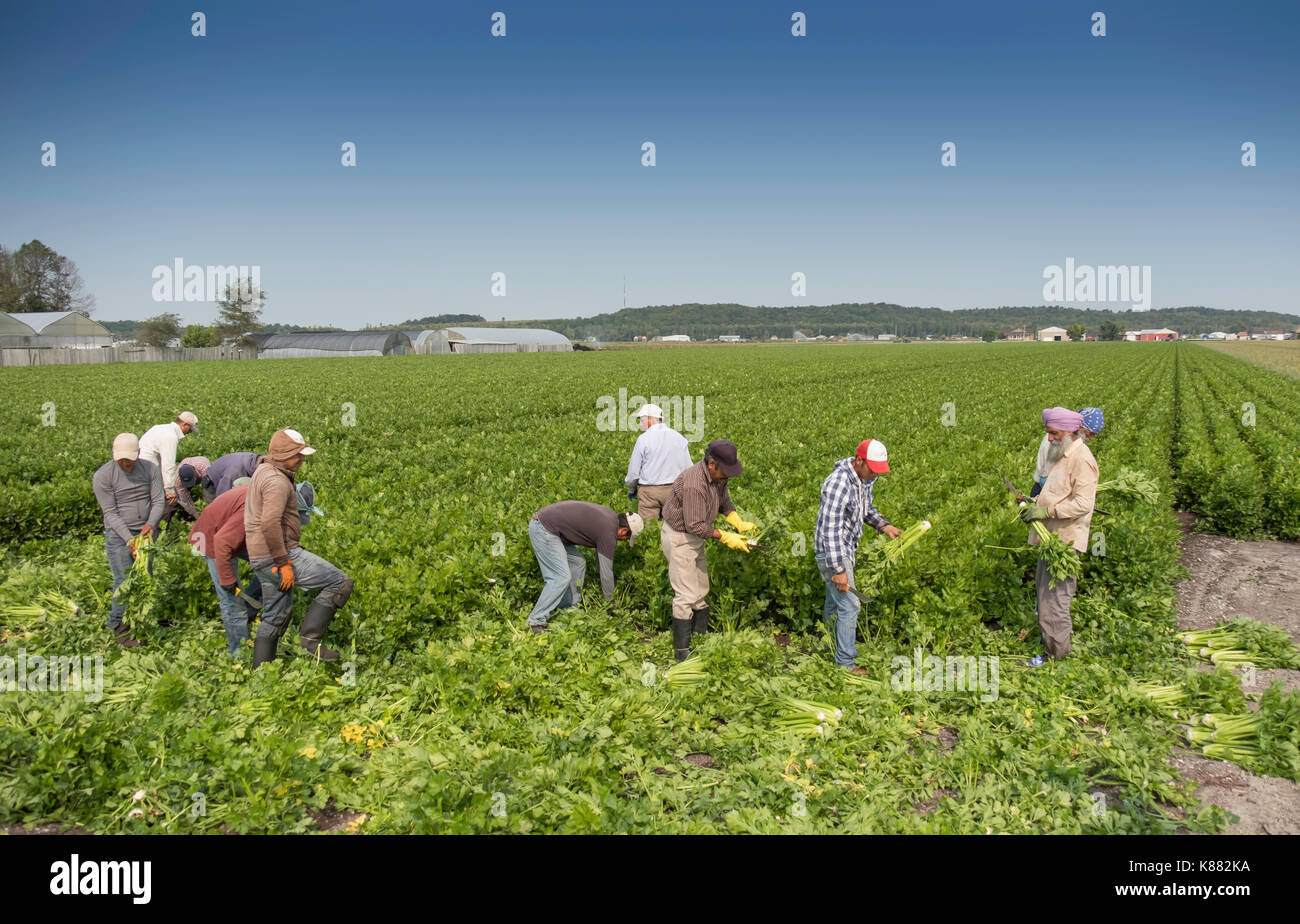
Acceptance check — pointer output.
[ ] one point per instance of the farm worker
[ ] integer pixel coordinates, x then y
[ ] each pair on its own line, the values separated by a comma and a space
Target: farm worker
659, 456
188, 474
272, 527
1049, 452
158, 447
846, 503
221, 474
218, 535
130, 496
558, 533
698, 496
1065, 506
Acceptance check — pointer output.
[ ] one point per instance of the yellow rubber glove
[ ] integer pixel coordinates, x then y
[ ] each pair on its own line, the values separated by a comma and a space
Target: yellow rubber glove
734, 541
737, 523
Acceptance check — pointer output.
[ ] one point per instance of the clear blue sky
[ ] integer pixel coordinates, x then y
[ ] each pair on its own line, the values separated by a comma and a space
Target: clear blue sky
775, 154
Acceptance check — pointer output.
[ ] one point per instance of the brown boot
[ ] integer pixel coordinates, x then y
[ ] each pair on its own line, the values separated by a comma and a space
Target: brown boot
123, 635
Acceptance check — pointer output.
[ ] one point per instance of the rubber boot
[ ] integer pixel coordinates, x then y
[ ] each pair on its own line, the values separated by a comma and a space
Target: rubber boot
123, 635
700, 621
681, 639
264, 649
314, 624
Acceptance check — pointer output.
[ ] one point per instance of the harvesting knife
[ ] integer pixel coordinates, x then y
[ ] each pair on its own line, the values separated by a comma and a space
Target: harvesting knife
1024, 500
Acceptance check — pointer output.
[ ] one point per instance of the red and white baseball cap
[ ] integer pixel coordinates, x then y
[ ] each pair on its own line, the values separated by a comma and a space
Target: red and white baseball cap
873, 451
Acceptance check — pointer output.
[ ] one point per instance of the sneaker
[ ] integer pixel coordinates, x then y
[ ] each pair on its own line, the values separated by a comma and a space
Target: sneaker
537, 630
1036, 661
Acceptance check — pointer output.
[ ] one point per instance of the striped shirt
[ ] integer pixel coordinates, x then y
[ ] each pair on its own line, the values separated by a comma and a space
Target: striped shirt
847, 502
696, 501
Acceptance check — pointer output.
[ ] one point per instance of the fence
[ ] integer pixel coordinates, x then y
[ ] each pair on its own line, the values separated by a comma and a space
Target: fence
54, 356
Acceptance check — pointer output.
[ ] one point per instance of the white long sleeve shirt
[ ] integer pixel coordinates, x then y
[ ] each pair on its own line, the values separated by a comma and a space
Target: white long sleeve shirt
1043, 468
158, 445
659, 456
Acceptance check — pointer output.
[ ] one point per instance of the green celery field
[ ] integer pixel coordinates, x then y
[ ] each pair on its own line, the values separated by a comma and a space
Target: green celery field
449, 716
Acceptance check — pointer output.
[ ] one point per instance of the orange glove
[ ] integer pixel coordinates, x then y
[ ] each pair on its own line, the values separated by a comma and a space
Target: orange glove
286, 575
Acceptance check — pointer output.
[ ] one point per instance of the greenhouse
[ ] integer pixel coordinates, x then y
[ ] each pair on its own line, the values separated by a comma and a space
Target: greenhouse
334, 343
14, 333
490, 340
56, 329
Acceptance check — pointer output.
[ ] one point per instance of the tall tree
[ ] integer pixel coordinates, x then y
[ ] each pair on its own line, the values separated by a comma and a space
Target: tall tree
160, 329
46, 281
1076, 332
10, 296
240, 307
1110, 331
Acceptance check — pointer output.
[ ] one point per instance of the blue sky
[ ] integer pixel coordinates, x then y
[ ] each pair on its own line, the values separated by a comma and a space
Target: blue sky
775, 154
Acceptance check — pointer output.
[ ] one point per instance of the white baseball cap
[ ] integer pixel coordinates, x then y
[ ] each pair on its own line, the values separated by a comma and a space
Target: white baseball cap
126, 446
635, 524
187, 417
651, 410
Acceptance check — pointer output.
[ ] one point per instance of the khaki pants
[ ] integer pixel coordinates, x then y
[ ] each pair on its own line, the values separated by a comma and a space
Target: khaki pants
1054, 611
650, 500
688, 570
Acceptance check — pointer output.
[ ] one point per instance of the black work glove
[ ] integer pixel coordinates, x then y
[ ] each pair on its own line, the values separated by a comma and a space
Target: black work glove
631, 492
229, 588
1034, 491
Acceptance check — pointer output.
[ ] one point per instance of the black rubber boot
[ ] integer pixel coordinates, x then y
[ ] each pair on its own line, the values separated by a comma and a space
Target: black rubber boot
681, 639
700, 621
264, 649
314, 624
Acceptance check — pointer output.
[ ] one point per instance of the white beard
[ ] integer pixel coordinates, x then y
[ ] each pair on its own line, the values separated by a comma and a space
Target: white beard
1057, 449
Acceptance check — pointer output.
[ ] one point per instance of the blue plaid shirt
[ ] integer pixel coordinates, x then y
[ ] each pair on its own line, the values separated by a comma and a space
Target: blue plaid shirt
846, 504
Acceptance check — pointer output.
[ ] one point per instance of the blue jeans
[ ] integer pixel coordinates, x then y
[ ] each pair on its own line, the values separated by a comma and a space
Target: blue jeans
234, 615
563, 567
119, 561
842, 607
310, 572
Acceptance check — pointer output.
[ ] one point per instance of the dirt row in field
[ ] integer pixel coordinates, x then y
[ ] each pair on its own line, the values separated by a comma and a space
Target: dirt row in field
1232, 578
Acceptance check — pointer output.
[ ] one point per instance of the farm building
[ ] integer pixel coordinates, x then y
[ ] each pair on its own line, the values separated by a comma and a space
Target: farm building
1019, 335
489, 340
1160, 333
1053, 335
68, 329
333, 343
675, 338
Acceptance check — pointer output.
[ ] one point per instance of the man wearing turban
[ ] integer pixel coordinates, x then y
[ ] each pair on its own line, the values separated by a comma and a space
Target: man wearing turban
1065, 506
1049, 452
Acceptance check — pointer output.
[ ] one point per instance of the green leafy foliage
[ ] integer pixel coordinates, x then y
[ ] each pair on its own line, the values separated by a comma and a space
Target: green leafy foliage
447, 715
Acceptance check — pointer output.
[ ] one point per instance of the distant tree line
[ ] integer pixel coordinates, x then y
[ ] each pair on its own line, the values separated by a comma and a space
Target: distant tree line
703, 322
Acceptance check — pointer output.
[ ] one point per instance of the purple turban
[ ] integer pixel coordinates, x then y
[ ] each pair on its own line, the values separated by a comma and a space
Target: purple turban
1062, 418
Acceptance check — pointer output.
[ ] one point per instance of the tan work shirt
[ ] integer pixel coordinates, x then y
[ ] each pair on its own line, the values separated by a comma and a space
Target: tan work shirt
1070, 495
